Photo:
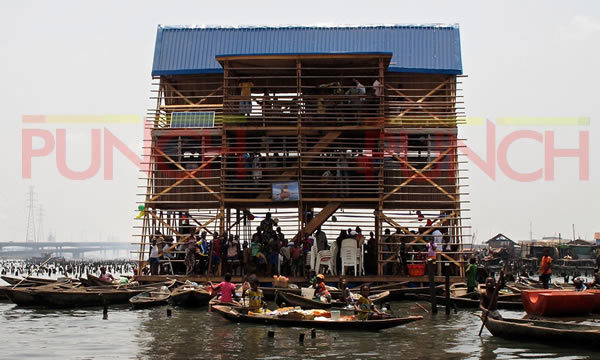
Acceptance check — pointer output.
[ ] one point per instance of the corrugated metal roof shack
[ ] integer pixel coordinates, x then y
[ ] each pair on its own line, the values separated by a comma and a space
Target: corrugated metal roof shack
335, 127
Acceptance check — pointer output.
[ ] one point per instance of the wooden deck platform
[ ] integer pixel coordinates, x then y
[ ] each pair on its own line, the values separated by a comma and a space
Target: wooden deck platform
293, 280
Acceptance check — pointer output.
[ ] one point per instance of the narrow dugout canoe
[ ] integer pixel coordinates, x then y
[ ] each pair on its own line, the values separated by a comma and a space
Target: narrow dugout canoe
548, 332
558, 302
151, 298
596, 292
296, 300
191, 296
96, 281
65, 296
466, 303
30, 281
357, 325
269, 292
401, 293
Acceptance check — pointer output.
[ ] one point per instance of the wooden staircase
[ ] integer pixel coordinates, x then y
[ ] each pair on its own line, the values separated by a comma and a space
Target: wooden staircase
320, 218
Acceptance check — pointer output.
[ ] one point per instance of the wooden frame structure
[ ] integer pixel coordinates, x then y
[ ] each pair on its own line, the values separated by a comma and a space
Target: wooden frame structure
383, 158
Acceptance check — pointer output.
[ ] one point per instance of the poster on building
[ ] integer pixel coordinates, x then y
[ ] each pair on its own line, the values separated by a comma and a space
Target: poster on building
285, 191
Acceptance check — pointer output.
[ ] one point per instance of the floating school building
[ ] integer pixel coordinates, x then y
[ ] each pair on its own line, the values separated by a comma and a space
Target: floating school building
331, 127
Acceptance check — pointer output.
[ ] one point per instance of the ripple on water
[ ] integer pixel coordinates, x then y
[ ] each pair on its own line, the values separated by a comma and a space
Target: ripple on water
150, 334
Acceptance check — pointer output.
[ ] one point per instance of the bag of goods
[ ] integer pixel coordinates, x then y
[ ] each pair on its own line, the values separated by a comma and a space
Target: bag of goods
322, 313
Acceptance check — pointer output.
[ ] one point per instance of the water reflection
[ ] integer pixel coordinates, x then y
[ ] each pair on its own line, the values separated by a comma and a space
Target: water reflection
197, 334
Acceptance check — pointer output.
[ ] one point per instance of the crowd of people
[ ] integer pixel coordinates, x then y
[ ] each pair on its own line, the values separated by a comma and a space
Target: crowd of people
269, 252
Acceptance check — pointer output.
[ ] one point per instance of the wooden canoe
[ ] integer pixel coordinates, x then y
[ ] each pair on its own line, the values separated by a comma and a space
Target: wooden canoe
558, 302
357, 325
549, 332
67, 296
401, 293
151, 298
30, 281
297, 300
466, 303
191, 296
596, 292
269, 292
96, 281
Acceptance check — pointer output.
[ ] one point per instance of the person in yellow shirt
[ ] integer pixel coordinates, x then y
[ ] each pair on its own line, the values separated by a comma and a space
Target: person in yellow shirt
255, 295
365, 306
246, 97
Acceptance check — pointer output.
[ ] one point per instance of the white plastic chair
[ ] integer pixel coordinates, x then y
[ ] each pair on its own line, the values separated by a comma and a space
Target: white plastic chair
279, 264
324, 258
349, 255
334, 252
313, 257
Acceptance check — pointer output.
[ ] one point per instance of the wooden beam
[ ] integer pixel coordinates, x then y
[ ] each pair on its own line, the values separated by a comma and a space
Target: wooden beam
187, 172
187, 176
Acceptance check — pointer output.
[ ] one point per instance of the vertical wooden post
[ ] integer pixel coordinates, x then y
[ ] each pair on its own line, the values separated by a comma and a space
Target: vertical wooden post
380, 178
300, 152
447, 272
432, 289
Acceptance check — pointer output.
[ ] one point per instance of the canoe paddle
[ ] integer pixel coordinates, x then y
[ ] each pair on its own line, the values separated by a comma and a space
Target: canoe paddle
483, 321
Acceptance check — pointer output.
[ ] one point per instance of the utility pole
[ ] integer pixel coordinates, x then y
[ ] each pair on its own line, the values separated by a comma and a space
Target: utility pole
30, 236
573, 232
40, 231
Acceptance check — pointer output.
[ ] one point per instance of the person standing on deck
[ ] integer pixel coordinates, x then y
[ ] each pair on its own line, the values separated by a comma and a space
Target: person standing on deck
471, 275
246, 97
546, 269
321, 240
154, 259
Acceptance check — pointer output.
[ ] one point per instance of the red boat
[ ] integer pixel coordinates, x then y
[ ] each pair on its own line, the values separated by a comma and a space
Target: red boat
558, 302
596, 292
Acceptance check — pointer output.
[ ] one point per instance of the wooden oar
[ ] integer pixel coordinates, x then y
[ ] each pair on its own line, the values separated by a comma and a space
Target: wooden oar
31, 272
493, 301
422, 307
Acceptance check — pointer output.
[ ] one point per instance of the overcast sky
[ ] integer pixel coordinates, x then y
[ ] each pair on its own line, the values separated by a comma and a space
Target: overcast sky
522, 58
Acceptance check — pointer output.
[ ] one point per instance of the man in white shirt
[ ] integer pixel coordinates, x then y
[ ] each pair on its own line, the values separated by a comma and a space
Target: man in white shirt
437, 238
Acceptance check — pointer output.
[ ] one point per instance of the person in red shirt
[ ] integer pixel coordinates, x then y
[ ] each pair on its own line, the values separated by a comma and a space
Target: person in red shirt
226, 288
546, 269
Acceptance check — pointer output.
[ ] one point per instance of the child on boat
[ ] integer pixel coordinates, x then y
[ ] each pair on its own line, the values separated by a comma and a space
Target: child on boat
321, 291
255, 295
227, 289
365, 306
345, 295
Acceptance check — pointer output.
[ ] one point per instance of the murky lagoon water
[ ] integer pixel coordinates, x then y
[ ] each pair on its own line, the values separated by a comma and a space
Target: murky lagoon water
197, 334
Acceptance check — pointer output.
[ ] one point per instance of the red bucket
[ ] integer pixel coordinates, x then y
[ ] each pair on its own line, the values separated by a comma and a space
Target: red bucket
416, 269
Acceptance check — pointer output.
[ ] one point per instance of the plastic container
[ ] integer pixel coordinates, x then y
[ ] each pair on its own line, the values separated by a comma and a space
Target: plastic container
308, 293
416, 269
335, 315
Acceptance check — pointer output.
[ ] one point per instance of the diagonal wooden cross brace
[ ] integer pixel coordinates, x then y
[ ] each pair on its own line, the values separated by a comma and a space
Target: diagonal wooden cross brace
417, 173
187, 172
188, 175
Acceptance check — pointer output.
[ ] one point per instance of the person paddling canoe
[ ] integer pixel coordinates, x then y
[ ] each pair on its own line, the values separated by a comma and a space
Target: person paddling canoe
489, 297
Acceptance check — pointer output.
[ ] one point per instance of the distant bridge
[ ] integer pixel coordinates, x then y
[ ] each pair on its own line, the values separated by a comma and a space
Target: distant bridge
13, 249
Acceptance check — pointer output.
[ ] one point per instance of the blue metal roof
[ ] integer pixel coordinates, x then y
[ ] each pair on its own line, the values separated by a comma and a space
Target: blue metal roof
415, 48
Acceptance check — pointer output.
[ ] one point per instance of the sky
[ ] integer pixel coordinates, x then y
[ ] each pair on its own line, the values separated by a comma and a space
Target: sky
523, 59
